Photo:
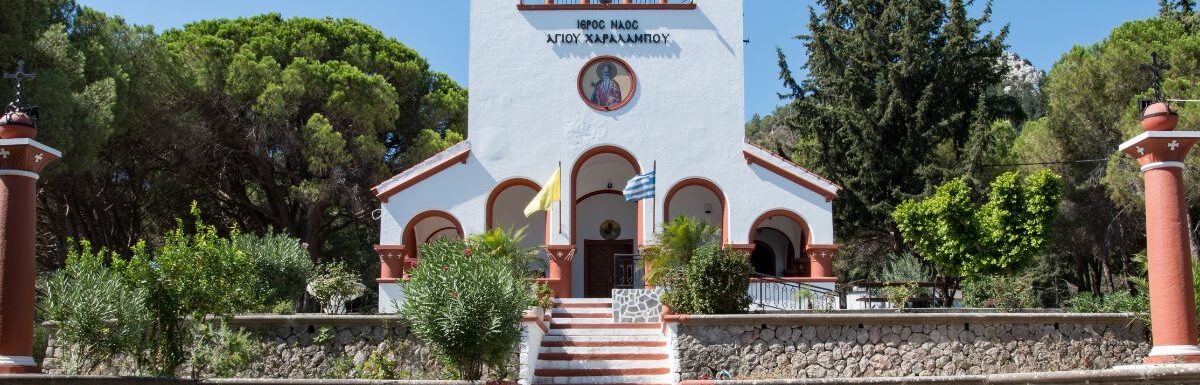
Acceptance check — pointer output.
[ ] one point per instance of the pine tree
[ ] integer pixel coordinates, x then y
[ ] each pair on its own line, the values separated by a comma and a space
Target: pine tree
896, 96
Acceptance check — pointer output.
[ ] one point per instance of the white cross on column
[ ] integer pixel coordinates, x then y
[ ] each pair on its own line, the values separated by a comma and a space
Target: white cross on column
1141, 151
3, 153
1173, 145
37, 158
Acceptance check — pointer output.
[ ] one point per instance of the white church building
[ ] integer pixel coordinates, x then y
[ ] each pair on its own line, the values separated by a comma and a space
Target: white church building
606, 90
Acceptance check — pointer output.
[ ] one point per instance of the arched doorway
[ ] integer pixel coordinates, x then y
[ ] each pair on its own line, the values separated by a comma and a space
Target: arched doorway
698, 198
763, 258
787, 236
506, 210
603, 224
430, 226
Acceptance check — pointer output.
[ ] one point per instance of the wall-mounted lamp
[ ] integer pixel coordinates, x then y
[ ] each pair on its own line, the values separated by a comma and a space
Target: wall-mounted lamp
610, 184
708, 208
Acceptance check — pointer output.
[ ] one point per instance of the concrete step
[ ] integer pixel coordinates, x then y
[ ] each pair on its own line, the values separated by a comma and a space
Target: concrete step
582, 300
602, 357
559, 319
606, 372
596, 324
607, 380
592, 331
656, 348
655, 364
581, 313
602, 340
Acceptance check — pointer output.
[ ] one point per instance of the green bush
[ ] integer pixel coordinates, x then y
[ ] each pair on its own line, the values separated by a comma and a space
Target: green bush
467, 303
219, 351
335, 286
675, 246
99, 316
1004, 292
282, 265
715, 281
377, 366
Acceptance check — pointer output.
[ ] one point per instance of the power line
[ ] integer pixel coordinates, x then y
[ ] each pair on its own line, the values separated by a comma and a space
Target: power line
1045, 163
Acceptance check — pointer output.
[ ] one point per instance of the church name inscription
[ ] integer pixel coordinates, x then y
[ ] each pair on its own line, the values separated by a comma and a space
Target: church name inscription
608, 32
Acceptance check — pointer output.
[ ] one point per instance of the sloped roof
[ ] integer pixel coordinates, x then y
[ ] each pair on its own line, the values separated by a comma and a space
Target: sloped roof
455, 154
791, 171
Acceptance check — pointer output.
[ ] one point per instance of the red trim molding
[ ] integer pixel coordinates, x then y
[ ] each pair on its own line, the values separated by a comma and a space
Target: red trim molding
782, 213
633, 81
598, 192
604, 149
752, 158
551, 6
410, 230
705, 183
489, 212
460, 157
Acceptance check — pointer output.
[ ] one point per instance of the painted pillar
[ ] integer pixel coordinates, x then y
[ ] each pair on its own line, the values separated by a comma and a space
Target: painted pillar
1160, 150
560, 269
21, 159
821, 260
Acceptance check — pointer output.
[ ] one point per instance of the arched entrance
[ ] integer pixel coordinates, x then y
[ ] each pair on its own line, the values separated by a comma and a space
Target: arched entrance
787, 236
430, 226
698, 198
603, 224
506, 210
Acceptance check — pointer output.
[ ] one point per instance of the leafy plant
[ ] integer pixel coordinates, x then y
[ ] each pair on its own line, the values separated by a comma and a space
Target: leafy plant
284, 307
545, 296
675, 246
219, 351
340, 367
899, 294
506, 244
466, 303
334, 287
98, 315
1000, 236
1004, 292
324, 335
282, 265
377, 366
715, 281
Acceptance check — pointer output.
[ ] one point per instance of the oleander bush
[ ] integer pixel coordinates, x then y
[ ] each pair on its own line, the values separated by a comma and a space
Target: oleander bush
466, 302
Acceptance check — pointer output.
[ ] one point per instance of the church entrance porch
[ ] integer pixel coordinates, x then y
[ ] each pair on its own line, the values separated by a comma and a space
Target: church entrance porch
600, 265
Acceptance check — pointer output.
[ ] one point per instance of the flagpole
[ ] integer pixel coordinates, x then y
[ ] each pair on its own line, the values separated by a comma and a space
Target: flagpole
560, 197
654, 201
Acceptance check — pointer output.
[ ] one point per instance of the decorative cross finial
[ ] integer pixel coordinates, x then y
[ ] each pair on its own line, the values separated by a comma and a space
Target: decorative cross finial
1155, 68
18, 75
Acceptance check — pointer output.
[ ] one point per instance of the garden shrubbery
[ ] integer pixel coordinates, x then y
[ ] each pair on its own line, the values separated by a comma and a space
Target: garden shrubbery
466, 298
715, 281
150, 306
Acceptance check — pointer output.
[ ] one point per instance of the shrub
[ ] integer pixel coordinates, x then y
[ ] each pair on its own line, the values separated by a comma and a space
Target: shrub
506, 245
377, 366
98, 315
334, 287
899, 294
715, 281
675, 246
220, 351
467, 304
904, 271
1004, 292
282, 265
340, 367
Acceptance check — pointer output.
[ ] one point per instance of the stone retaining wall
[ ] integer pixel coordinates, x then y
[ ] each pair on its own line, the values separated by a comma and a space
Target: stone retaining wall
310, 346
898, 345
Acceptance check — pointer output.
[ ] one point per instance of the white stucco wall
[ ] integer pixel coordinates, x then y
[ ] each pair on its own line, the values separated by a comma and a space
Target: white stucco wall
526, 117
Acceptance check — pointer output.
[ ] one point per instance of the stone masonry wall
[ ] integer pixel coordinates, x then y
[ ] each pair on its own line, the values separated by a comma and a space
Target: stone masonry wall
878, 345
309, 346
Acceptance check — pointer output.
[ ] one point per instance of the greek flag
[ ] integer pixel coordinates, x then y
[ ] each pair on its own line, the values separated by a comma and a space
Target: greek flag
640, 187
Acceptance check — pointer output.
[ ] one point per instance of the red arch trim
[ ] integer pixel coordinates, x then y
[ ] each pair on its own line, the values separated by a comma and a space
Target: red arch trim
604, 149
705, 184
410, 231
782, 213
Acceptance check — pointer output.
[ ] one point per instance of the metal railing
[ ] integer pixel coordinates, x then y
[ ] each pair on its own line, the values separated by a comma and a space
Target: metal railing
627, 269
771, 293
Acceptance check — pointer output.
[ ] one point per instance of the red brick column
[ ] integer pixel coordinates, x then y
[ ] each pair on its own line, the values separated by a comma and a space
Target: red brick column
21, 159
821, 260
1161, 150
560, 269
393, 262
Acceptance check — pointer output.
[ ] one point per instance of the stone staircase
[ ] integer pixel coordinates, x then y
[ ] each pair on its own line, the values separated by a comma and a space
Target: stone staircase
585, 346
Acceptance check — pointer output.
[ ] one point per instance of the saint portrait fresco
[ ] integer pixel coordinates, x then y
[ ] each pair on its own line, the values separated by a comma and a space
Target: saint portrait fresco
606, 83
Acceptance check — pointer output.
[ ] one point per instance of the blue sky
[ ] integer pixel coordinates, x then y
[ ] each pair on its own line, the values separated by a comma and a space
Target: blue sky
1040, 31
